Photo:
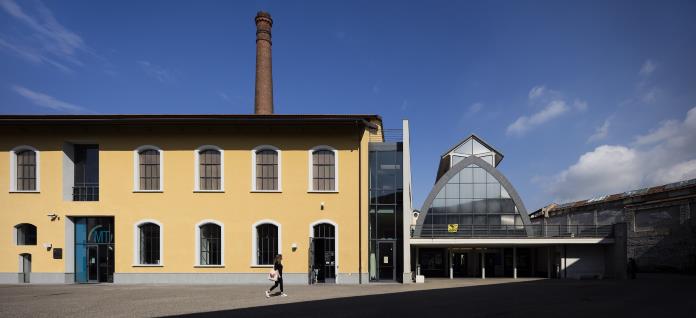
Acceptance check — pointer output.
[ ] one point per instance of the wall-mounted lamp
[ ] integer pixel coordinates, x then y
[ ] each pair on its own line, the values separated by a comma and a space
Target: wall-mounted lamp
53, 216
294, 247
322, 206
47, 246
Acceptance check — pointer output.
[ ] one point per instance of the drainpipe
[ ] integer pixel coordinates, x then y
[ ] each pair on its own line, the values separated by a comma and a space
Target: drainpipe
362, 133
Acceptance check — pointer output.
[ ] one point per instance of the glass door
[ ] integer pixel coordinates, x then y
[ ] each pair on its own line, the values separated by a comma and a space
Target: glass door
93, 264
385, 259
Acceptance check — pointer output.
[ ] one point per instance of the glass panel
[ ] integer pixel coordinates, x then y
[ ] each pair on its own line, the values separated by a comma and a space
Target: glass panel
465, 148
493, 190
479, 148
479, 191
466, 190
452, 191
479, 175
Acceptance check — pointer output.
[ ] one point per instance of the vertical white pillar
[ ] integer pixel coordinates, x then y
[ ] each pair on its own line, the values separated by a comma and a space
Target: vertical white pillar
407, 219
483, 265
514, 262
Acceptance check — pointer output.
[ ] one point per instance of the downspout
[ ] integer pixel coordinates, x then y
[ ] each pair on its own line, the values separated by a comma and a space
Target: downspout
362, 133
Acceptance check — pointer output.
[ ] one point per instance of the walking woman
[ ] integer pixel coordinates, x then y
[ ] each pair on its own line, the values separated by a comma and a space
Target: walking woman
278, 269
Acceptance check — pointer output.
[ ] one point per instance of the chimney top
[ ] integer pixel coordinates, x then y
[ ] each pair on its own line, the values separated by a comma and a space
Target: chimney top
263, 99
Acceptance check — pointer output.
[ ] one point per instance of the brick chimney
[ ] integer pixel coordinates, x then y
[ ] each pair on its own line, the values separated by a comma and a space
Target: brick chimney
263, 100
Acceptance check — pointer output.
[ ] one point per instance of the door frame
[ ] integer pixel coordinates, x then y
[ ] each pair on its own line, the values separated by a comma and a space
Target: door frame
24, 264
335, 239
379, 257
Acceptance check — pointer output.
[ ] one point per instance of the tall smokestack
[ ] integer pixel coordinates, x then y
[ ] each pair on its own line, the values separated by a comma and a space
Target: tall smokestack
263, 100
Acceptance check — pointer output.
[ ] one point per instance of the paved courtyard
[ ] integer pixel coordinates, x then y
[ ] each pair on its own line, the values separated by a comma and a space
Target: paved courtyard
648, 296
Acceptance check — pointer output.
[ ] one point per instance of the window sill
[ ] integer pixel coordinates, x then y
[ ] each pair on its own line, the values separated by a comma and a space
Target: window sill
209, 266
208, 191
148, 191
147, 265
266, 191
261, 266
25, 191
315, 191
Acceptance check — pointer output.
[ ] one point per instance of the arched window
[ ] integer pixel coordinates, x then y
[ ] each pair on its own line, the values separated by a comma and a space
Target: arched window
209, 169
323, 169
149, 243
24, 174
148, 169
210, 244
266, 242
266, 171
25, 234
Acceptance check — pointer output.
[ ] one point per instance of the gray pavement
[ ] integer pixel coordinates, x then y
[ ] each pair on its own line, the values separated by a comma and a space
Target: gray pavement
650, 295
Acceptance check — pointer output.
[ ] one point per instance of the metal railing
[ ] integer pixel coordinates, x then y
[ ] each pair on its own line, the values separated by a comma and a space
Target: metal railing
388, 135
511, 231
86, 192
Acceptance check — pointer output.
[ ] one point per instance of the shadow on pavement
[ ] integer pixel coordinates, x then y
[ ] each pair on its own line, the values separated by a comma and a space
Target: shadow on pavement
672, 296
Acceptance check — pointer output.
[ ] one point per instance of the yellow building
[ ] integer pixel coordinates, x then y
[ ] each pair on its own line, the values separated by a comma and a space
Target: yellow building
185, 198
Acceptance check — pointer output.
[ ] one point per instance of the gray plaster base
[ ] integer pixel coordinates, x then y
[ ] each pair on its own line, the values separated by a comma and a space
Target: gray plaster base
223, 278
38, 278
351, 278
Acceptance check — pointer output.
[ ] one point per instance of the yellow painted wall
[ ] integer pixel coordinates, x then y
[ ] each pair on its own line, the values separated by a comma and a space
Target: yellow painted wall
178, 208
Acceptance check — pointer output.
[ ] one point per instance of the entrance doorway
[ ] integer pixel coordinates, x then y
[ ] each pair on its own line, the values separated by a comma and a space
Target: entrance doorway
385, 258
460, 264
323, 253
94, 249
25, 260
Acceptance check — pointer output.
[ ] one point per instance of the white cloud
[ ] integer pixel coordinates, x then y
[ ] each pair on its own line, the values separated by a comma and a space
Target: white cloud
648, 67
47, 101
601, 132
157, 72
665, 154
47, 36
554, 109
537, 91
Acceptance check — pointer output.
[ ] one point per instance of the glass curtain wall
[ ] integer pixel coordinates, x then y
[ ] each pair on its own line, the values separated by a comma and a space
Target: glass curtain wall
385, 211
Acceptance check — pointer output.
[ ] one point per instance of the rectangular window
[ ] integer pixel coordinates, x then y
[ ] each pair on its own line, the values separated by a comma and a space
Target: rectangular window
26, 170
149, 169
210, 170
266, 244
323, 170
267, 170
86, 186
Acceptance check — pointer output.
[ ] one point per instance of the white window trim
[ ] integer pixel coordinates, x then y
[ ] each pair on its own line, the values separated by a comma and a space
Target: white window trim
136, 168
15, 232
310, 172
254, 239
196, 169
253, 168
136, 243
336, 249
13, 169
197, 256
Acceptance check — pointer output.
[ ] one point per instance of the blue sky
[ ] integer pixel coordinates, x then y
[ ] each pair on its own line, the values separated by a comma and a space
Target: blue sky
583, 97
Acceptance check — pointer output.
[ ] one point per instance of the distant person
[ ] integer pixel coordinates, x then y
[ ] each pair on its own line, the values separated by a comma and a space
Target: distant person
277, 275
632, 268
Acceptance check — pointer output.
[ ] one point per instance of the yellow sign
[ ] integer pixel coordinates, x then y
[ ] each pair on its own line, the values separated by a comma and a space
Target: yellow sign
452, 228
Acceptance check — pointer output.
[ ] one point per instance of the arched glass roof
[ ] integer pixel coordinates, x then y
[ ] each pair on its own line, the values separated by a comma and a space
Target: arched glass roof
470, 200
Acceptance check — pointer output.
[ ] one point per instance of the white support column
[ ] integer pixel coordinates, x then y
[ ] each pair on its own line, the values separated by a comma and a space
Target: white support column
407, 204
514, 262
483, 265
451, 265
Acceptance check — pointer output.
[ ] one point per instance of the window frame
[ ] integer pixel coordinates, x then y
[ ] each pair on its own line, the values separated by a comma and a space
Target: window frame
310, 167
136, 243
15, 234
336, 236
13, 169
136, 168
253, 168
196, 168
254, 242
197, 249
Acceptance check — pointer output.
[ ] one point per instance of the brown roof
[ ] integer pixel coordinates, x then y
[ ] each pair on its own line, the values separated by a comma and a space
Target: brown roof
183, 119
